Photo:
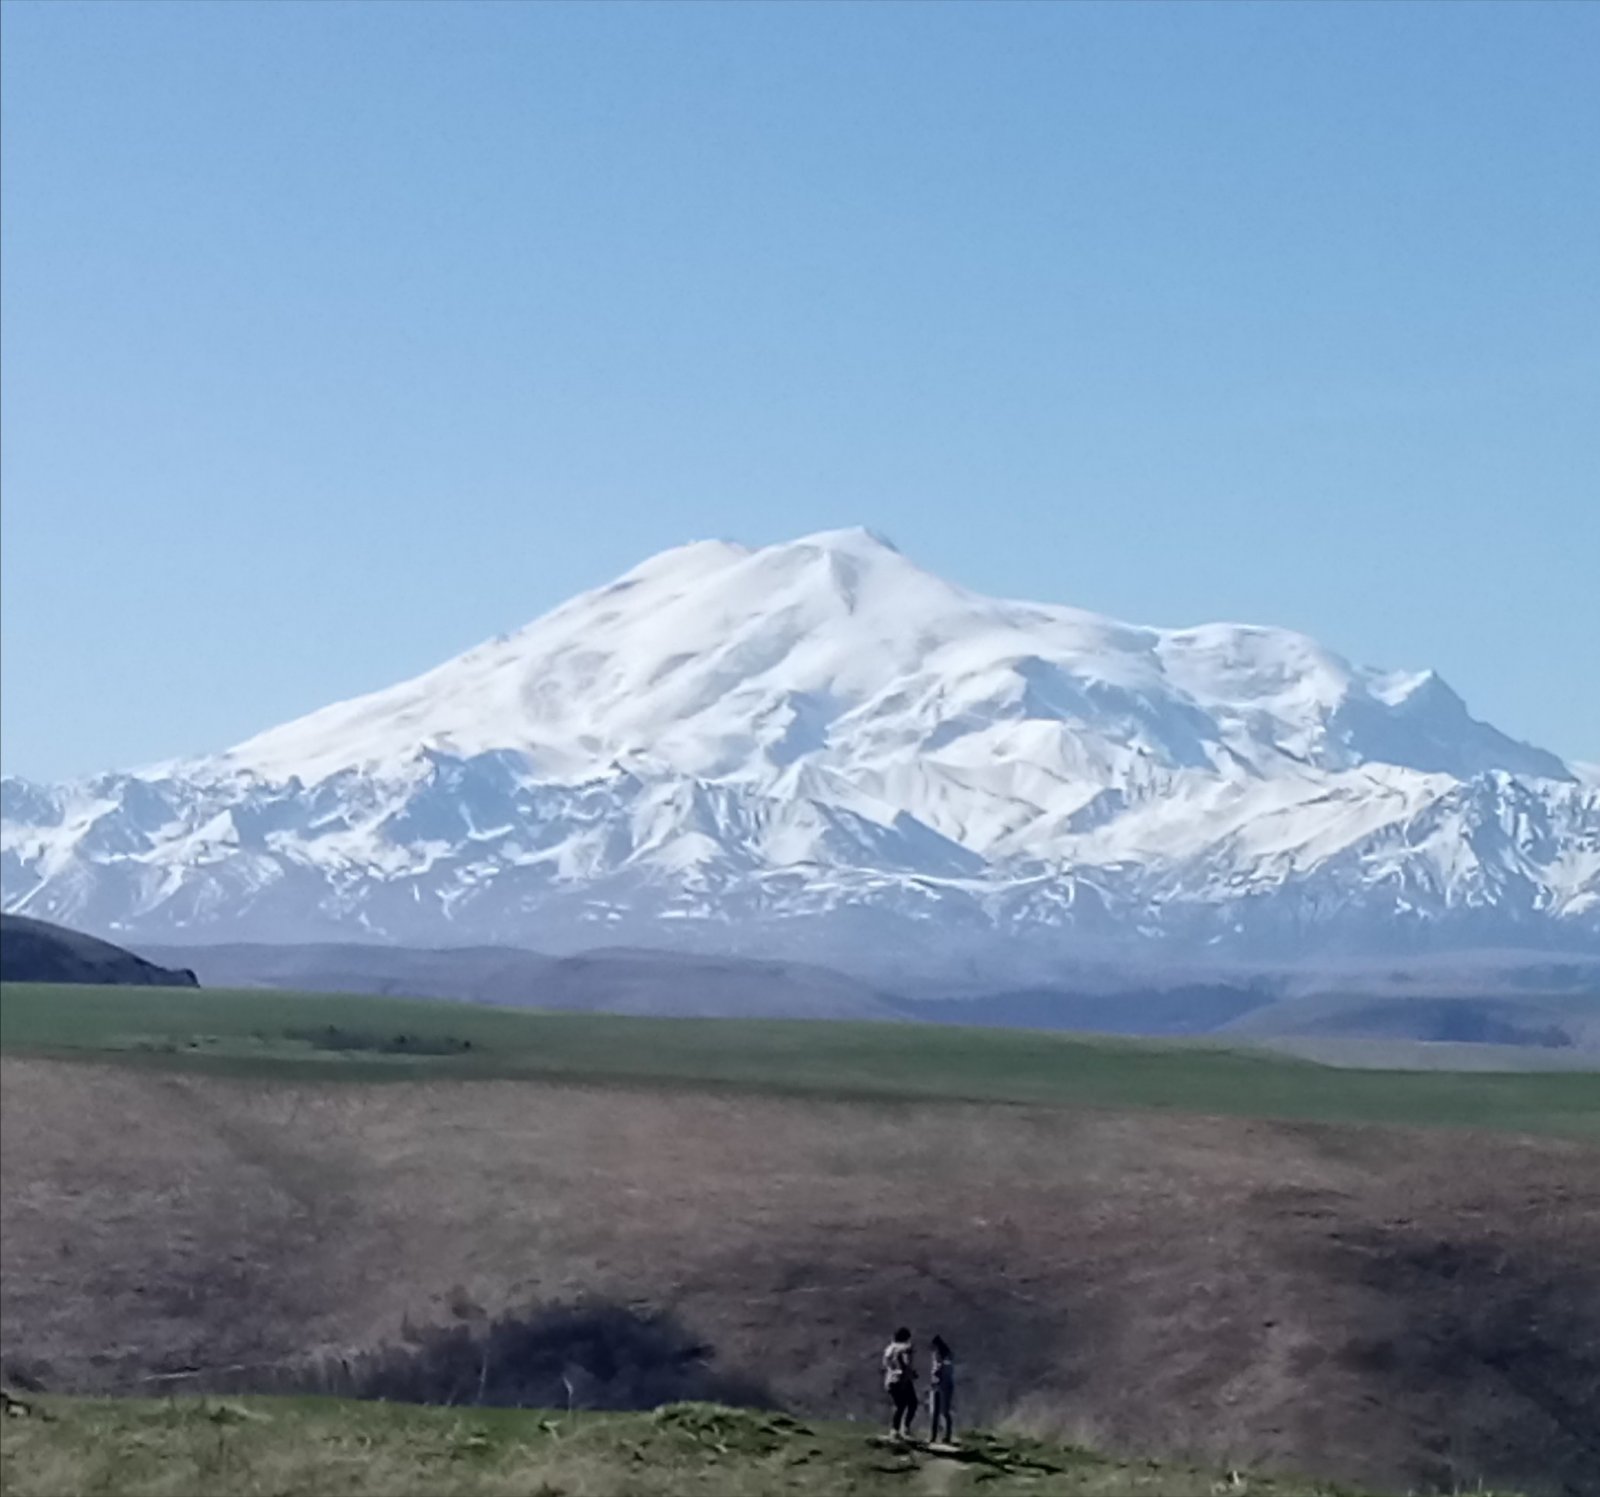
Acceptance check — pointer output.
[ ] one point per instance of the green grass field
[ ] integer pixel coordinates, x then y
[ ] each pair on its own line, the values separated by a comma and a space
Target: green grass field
361, 1038
264, 1447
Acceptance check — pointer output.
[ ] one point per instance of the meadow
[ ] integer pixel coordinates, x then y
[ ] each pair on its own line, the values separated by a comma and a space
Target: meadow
266, 1447
361, 1038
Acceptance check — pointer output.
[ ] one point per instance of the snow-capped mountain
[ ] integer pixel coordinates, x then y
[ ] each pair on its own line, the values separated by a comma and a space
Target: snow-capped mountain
821, 734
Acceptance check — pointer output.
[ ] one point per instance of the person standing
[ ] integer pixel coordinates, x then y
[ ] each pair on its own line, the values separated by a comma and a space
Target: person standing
942, 1391
900, 1383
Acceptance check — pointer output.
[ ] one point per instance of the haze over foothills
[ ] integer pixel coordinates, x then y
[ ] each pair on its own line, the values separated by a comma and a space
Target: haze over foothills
338, 339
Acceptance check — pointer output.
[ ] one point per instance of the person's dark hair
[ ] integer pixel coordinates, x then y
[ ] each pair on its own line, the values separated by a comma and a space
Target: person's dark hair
902, 1334
941, 1346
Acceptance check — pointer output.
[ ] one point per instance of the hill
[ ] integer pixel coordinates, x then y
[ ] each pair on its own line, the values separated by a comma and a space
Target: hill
666, 983
1165, 1251
1504, 1014
1536, 1021
36, 951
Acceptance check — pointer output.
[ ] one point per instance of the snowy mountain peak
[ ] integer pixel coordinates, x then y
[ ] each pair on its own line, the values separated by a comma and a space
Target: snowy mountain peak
855, 540
696, 560
823, 724
720, 661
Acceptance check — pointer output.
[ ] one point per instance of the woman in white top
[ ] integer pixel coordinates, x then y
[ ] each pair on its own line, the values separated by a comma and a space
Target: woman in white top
900, 1383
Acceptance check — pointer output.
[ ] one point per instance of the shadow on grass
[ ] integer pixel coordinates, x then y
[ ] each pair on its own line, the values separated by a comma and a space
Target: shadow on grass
593, 1355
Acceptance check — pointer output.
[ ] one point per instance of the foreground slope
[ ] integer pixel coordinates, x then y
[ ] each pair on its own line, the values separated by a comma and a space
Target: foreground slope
819, 744
1163, 1252
1403, 1310
280, 1447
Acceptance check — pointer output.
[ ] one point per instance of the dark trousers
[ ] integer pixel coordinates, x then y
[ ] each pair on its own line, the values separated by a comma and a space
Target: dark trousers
903, 1394
940, 1403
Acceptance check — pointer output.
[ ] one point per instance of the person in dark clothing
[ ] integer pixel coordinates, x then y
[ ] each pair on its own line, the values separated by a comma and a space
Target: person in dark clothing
942, 1391
900, 1383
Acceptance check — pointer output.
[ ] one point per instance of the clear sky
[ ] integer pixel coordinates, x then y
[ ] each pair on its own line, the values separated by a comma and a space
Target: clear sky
339, 337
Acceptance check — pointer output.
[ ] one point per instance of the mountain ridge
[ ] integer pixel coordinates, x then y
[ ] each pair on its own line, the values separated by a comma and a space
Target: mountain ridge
780, 735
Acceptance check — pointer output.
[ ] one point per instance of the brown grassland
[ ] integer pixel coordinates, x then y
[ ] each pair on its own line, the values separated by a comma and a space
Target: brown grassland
1394, 1307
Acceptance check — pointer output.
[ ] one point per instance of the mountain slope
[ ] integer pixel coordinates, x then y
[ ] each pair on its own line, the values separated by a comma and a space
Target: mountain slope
823, 742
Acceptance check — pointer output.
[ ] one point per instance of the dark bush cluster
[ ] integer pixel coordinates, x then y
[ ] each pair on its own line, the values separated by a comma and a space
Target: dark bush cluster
586, 1356
335, 1037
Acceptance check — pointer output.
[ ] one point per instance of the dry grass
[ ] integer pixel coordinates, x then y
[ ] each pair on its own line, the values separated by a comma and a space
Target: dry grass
1387, 1306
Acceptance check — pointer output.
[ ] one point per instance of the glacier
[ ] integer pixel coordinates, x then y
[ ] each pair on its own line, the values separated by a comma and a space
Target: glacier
818, 745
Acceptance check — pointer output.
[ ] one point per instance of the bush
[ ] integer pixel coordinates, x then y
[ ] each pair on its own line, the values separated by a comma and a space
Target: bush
590, 1356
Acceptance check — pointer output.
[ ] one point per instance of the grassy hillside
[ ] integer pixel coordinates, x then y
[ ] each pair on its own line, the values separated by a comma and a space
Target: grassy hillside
287, 1448
1155, 1250
1565, 1023
1431, 1055
1392, 1307
365, 1038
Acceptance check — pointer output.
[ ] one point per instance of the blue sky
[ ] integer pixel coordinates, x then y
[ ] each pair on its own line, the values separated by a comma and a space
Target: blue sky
339, 337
